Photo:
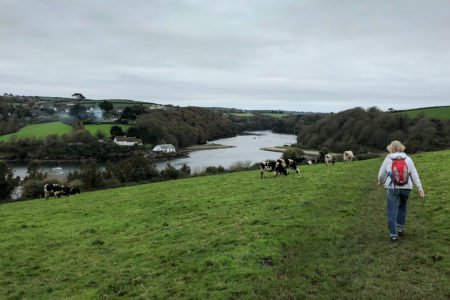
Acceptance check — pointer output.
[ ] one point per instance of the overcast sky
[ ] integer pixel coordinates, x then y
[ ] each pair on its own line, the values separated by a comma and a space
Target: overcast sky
291, 55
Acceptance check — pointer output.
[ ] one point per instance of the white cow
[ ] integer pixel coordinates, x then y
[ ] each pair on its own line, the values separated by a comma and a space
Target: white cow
348, 156
329, 159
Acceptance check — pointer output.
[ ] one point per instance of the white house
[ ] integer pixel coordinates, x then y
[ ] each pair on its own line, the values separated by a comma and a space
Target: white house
127, 141
164, 148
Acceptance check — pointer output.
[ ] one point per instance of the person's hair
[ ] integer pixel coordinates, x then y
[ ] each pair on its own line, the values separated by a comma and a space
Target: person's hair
395, 146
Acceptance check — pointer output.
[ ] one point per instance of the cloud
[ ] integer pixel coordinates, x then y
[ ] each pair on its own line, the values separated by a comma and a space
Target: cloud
295, 55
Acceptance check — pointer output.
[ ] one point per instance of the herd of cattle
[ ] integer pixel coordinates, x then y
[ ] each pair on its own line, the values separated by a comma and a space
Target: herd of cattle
282, 166
56, 190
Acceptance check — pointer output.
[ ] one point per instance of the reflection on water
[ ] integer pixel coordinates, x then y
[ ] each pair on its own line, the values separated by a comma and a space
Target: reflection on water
246, 148
51, 168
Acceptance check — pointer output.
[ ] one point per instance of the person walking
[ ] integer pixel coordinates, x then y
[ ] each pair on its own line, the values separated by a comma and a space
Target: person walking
398, 174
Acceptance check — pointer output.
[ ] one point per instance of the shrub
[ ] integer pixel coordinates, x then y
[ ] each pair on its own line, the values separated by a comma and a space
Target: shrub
111, 183
90, 174
7, 181
294, 154
240, 166
211, 170
33, 189
185, 170
324, 151
169, 172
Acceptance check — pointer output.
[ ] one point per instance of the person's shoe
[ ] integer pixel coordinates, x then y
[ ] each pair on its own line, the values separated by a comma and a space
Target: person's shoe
394, 239
401, 232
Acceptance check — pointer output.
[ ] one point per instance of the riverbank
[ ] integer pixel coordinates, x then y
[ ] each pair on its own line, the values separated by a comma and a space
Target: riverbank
207, 147
305, 152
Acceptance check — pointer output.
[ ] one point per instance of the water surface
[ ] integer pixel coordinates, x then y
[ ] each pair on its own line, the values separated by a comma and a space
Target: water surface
246, 148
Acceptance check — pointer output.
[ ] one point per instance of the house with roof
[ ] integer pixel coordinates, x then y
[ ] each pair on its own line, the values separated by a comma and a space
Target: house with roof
127, 141
164, 148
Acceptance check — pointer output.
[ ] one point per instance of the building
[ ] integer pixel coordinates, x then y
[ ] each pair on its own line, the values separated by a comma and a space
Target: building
164, 148
127, 141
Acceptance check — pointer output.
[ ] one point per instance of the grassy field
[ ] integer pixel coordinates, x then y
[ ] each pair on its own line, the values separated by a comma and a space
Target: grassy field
276, 115
242, 114
39, 130
318, 234
266, 114
105, 128
441, 113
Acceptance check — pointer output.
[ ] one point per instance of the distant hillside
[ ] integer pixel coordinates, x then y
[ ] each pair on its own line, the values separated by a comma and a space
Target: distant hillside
363, 130
267, 112
440, 112
233, 236
90, 102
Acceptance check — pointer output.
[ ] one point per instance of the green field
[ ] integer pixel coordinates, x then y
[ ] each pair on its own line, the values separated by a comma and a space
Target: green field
242, 114
59, 128
104, 128
318, 234
266, 114
39, 130
441, 113
275, 115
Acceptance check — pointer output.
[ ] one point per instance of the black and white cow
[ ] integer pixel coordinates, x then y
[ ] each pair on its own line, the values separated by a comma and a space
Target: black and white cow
74, 190
348, 156
272, 166
329, 159
54, 190
312, 161
288, 164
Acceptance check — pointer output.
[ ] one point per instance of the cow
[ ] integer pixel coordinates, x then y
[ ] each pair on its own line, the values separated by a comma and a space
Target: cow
54, 190
348, 156
329, 159
288, 164
69, 191
74, 190
272, 166
312, 161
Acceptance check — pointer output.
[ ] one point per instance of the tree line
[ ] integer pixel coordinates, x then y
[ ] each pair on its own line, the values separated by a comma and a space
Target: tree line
363, 131
182, 127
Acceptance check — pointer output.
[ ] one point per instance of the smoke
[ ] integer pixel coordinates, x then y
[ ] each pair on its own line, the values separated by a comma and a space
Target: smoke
98, 113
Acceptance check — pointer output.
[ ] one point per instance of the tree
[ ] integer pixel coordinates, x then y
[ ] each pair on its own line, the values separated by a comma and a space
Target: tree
116, 131
78, 96
78, 111
132, 131
34, 171
106, 106
7, 180
90, 174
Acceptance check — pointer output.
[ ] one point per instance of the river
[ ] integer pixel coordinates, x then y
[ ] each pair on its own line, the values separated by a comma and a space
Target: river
246, 148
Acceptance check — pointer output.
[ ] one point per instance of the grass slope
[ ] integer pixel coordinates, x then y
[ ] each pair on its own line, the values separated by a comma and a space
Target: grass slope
39, 130
104, 128
321, 233
440, 113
